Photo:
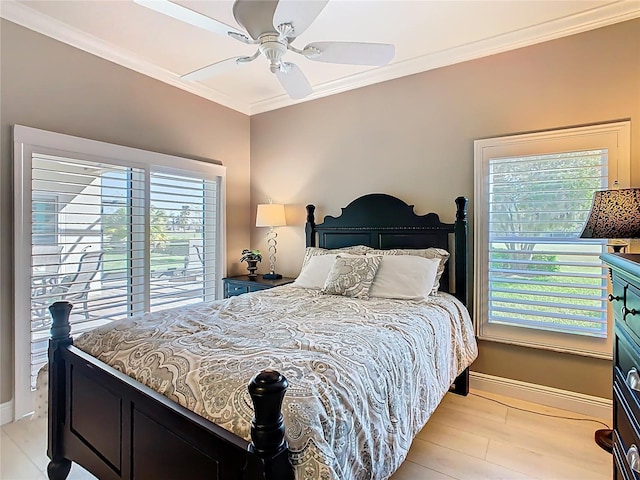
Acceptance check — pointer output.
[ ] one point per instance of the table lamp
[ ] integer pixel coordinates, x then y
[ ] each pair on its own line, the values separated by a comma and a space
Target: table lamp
615, 214
271, 215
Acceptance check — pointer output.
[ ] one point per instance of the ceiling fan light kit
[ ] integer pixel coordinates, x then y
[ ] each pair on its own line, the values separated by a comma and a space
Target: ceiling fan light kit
292, 18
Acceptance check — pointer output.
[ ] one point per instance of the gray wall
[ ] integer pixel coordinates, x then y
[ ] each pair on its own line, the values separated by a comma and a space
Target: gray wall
52, 86
413, 137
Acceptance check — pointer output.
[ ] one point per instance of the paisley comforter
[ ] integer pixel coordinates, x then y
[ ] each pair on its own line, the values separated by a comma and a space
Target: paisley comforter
364, 375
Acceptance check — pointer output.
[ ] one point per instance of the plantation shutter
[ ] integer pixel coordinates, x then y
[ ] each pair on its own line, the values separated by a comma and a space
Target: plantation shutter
541, 274
73, 204
115, 241
183, 219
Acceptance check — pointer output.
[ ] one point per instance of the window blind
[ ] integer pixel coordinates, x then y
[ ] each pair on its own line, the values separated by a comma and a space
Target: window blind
541, 274
115, 241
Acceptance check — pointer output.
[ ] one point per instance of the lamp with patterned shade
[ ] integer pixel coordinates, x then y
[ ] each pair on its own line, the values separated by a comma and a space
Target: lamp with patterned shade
614, 214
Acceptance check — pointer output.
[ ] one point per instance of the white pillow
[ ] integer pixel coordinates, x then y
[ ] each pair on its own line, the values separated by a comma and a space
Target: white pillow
316, 271
405, 277
431, 252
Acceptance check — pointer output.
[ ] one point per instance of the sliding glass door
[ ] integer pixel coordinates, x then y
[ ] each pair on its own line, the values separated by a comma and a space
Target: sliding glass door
115, 237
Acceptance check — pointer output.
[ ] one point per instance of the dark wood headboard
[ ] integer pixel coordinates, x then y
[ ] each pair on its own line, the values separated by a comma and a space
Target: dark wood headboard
382, 221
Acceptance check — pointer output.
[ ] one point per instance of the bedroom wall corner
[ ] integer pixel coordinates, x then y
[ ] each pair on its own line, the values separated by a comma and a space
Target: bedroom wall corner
412, 137
49, 85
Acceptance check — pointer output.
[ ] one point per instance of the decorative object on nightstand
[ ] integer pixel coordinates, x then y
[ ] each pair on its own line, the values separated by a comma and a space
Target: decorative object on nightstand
244, 284
615, 214
252, 257
271, 215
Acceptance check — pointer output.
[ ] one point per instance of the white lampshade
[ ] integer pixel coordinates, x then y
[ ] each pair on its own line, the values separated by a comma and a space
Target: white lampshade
270, 215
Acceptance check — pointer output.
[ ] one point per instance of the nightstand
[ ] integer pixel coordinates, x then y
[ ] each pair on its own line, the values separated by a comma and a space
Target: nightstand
243, 284
625, 297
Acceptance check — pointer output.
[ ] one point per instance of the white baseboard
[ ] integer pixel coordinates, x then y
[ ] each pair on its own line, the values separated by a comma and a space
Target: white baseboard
543, 395
6, 412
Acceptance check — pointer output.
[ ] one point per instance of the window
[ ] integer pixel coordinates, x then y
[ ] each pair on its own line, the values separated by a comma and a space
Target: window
114, 230
537, 282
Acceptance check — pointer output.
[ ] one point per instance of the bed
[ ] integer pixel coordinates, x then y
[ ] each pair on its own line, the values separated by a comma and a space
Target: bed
118, 427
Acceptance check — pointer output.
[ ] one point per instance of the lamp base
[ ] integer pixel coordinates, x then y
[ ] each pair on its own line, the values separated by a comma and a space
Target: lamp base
604, 438
618, 246
272, 276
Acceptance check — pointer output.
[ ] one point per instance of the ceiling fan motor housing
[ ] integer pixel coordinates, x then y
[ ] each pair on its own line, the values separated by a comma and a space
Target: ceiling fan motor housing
273, 47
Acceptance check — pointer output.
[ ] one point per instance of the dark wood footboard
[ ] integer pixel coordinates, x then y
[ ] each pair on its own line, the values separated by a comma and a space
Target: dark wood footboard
119, 429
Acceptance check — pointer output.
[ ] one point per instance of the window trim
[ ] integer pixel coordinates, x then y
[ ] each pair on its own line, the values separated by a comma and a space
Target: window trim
616, 136
26, 141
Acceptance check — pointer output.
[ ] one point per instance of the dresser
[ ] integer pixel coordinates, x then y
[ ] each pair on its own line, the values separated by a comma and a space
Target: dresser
245, 284
625, 300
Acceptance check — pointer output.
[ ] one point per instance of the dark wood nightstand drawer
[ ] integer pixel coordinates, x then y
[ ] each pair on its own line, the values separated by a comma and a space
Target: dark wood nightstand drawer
244, 284
231, 289
630, 311
626, 368
621, 469
627, 437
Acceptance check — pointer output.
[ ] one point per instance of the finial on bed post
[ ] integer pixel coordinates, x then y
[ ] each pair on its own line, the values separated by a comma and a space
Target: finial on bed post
461, 211
462, 251
309, 228
60, 329
267, 391
59, 466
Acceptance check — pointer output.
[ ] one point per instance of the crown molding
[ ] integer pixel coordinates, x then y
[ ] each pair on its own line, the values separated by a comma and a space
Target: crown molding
40, 23
595, 18
570, 25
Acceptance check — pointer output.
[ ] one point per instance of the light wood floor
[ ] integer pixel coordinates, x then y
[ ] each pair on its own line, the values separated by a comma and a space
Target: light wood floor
467, 438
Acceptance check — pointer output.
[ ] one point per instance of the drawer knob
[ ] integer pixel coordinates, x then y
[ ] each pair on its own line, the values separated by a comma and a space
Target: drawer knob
633, 379
614, 298
633, 458
626, 311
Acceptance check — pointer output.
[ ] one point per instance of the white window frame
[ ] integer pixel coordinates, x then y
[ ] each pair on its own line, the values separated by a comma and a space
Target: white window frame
616, 137
29, 140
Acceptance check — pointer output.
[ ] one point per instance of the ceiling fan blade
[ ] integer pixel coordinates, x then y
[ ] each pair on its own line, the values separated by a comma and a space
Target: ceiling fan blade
256, 16
299, 13
217, 68
189, 16
294, 81
354, 53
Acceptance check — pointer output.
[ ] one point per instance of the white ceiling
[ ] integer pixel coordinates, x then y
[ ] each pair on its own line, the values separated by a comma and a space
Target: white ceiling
427, 34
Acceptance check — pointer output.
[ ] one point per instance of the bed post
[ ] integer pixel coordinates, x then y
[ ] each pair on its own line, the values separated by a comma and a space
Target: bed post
461, 383
58, 467
462, 251
267, 390
310, 226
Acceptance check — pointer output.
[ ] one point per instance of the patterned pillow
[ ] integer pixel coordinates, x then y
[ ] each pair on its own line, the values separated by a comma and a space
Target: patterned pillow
352, 276
438, 253
314, 251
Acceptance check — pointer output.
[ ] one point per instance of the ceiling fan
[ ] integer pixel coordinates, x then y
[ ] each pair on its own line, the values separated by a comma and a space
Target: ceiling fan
273, 26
